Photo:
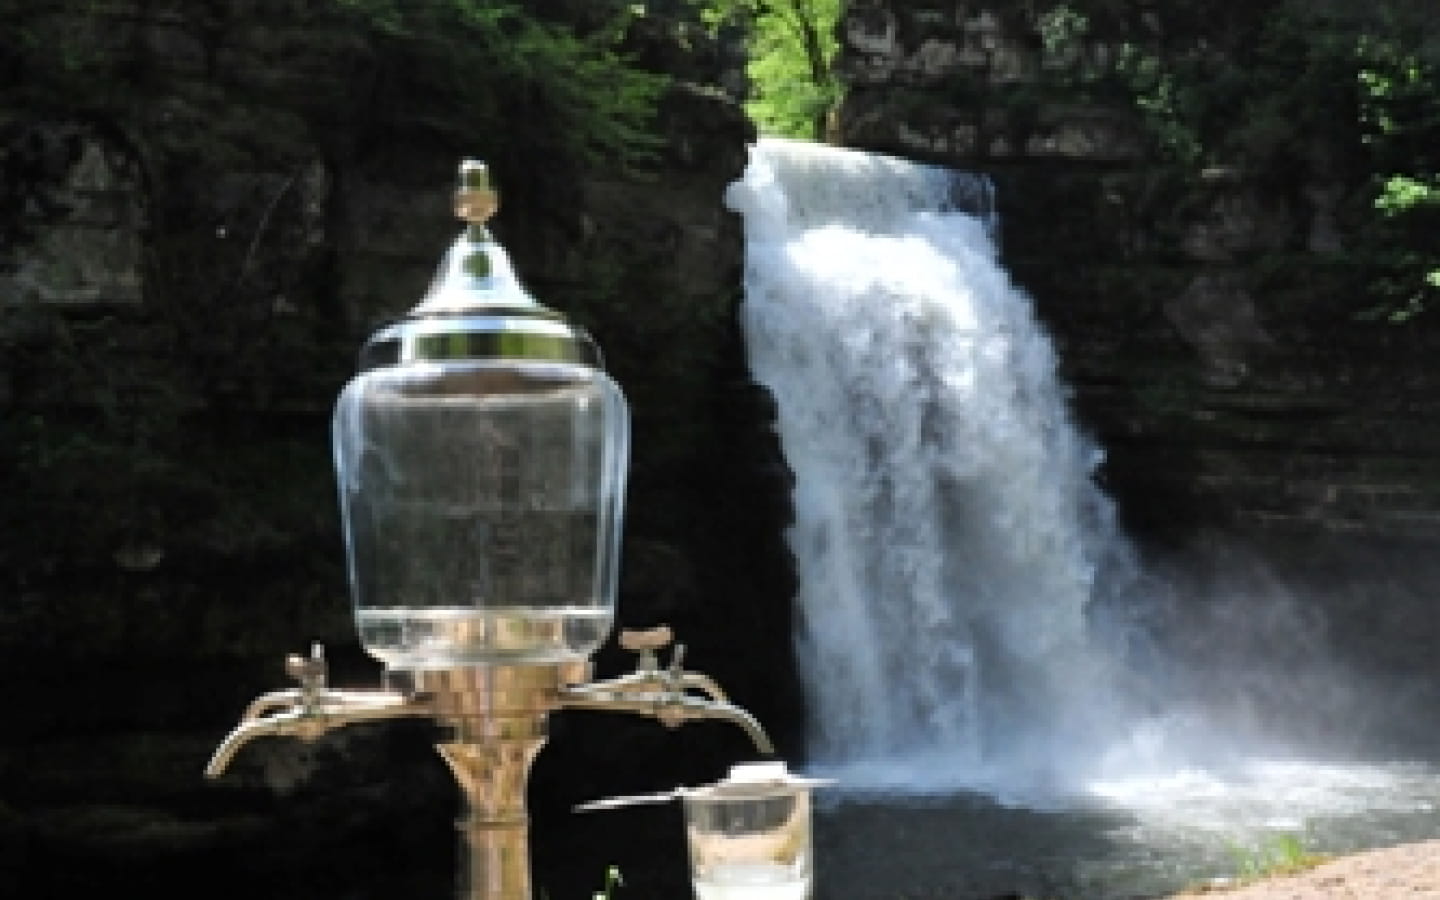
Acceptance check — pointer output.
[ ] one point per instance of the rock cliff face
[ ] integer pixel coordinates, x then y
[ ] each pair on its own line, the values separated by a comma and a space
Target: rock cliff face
195, 243
1209, 322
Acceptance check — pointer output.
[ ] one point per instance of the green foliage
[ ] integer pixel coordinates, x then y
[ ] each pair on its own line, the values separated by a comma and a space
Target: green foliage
1399, 113
1240, 89
1401, 193
791, 48
1167, 101
467, 67
612, 881
1297, 94
1282, 854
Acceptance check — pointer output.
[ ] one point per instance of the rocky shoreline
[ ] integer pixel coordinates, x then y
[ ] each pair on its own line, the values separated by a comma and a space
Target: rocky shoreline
1407, 870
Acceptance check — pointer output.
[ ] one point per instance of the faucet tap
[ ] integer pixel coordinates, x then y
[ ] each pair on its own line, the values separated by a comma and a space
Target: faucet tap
662, 693
310, 710
648, 674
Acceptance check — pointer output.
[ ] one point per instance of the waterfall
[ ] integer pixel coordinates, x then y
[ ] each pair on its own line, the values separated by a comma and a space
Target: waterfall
970, 618
948, 531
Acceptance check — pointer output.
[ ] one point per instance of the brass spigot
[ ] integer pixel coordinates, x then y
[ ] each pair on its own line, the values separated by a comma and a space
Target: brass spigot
309, 711
663, 693
648, 674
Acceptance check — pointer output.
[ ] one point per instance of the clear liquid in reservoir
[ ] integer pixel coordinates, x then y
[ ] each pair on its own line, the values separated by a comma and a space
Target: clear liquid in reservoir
440, 637
482, 508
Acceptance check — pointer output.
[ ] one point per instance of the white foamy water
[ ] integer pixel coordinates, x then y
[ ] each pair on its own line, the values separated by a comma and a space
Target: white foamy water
947, 529
953, 547
1274, 794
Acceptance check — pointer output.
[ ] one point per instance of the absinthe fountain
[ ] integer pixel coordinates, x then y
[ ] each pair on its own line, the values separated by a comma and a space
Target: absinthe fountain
971, 617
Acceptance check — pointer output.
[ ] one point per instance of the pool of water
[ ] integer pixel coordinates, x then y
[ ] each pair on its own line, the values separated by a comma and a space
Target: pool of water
1120, 837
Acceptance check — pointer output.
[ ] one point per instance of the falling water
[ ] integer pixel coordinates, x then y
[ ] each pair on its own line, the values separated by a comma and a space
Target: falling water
967, 604
948, 528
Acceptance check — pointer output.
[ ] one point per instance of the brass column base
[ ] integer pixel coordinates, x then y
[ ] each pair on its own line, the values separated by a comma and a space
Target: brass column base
497, 718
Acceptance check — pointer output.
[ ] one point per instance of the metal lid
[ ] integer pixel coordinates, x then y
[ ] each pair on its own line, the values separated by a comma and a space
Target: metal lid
744, 781
747, 780
476, 308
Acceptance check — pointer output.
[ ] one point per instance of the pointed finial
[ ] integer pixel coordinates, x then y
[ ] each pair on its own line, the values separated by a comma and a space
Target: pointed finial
475, 199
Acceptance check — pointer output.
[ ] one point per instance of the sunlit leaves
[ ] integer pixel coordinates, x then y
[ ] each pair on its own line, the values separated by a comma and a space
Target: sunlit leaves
791, 45
1403, 192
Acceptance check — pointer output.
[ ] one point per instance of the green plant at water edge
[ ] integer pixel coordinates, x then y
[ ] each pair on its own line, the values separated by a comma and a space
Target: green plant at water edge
1282, 854
612, 880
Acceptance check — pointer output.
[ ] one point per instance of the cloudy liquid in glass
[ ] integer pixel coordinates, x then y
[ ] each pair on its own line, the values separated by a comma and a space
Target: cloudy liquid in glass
751, 881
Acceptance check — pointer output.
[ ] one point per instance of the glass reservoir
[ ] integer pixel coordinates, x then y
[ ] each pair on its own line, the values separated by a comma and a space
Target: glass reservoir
481, 457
